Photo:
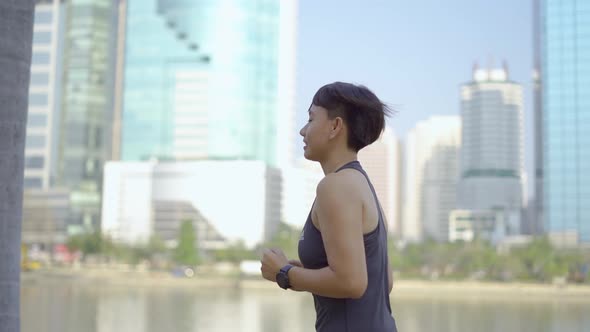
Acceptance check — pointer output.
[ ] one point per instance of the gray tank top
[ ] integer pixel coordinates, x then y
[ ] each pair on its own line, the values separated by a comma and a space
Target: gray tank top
371, 312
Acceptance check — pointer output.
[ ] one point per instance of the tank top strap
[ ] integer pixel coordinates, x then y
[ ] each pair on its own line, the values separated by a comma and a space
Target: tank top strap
355, 164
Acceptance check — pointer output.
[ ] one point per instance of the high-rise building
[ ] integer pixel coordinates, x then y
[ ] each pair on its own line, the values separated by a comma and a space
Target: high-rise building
44, 95
380, 161
492, 164
202, 80
431, 174
87, 104
45, 207
565, 115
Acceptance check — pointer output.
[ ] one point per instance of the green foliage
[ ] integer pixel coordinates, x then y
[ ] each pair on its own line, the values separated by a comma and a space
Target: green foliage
156, 245
87, 243
97, 244
287, 239
186, 250
235, 253
537, 261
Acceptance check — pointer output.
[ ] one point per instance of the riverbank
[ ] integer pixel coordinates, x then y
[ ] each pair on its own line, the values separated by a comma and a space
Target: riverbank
402, 288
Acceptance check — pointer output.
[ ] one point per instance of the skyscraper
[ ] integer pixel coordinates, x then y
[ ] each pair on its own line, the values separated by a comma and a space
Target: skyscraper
380, 160
565, 95
492, 164
431, 174
202, 80
87, 104
44, 95
45, 207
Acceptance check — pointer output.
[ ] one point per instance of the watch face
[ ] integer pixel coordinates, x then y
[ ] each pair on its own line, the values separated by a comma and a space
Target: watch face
282, 280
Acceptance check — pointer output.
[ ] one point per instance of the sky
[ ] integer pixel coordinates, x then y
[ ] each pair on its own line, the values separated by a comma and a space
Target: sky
414, 54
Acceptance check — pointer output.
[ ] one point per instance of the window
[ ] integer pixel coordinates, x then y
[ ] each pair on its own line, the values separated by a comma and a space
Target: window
39, 79
43, 17
32, 183
34, 162
38, 99
40, 58
37, 120
35, 141
42, 37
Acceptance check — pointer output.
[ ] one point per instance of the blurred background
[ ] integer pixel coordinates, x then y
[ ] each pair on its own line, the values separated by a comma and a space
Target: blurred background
162, 153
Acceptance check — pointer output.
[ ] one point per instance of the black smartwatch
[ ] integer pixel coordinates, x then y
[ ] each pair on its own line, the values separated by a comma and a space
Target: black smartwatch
283, 277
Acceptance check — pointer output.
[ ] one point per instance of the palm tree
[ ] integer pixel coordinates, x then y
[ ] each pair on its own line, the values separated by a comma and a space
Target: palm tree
16, 34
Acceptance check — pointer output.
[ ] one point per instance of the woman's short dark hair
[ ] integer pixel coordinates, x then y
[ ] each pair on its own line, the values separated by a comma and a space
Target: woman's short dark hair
361, 110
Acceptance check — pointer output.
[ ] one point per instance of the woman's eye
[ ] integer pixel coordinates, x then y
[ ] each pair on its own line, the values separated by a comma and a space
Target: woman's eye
308, 121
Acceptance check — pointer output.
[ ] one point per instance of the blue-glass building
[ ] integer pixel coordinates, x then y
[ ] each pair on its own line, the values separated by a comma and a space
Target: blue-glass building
565, 77
200, 80
89, 58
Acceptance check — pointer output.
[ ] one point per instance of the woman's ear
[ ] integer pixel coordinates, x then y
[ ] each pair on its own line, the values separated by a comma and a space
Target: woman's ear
337, 126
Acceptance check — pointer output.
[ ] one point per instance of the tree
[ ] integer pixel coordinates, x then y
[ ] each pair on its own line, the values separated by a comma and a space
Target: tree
87, 243
16, 36
235, 253
186, 250
287, 239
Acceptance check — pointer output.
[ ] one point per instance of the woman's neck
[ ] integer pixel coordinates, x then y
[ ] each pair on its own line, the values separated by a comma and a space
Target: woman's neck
331, 164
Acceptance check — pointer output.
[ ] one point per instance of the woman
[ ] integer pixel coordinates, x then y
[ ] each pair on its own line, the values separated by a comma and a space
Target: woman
343, 245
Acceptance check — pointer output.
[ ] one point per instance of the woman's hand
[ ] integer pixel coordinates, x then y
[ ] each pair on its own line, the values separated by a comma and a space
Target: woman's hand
272, 262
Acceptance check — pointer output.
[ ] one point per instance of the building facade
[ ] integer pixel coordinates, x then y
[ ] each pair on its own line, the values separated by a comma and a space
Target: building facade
565, 115
431, 175
492, 164
45, 90
381, 162
203, 80
89, 59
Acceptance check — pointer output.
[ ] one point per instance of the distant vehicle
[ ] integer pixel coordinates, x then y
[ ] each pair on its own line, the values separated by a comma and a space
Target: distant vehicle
26, 264
62, 254
183, 271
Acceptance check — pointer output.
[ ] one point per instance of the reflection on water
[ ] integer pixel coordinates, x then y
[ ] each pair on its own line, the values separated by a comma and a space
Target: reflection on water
62, 306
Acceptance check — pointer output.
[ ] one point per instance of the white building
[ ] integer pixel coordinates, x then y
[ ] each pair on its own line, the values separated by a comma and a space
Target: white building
240, 200
491, 225
300, 183
492, 162
431, 173
43, 120
381, 162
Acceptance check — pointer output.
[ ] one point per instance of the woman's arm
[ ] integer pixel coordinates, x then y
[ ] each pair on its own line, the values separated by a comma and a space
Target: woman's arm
339, 215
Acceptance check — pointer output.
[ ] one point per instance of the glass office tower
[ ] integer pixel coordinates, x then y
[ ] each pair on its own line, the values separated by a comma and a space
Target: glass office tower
201, 80
565, 77
87, 103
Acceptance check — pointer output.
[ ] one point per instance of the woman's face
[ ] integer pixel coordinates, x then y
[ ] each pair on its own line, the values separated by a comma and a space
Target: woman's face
316, 133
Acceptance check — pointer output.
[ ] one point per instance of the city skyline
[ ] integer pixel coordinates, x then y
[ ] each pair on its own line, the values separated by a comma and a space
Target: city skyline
385, 50
191, 106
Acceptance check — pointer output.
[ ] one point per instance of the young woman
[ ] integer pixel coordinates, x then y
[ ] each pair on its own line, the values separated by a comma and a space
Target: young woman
343, 245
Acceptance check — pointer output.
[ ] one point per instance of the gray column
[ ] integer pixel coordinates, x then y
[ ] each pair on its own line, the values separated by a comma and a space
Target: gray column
16, 31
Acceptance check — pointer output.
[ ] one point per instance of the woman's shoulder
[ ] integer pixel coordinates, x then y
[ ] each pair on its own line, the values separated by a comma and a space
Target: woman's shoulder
343, 182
